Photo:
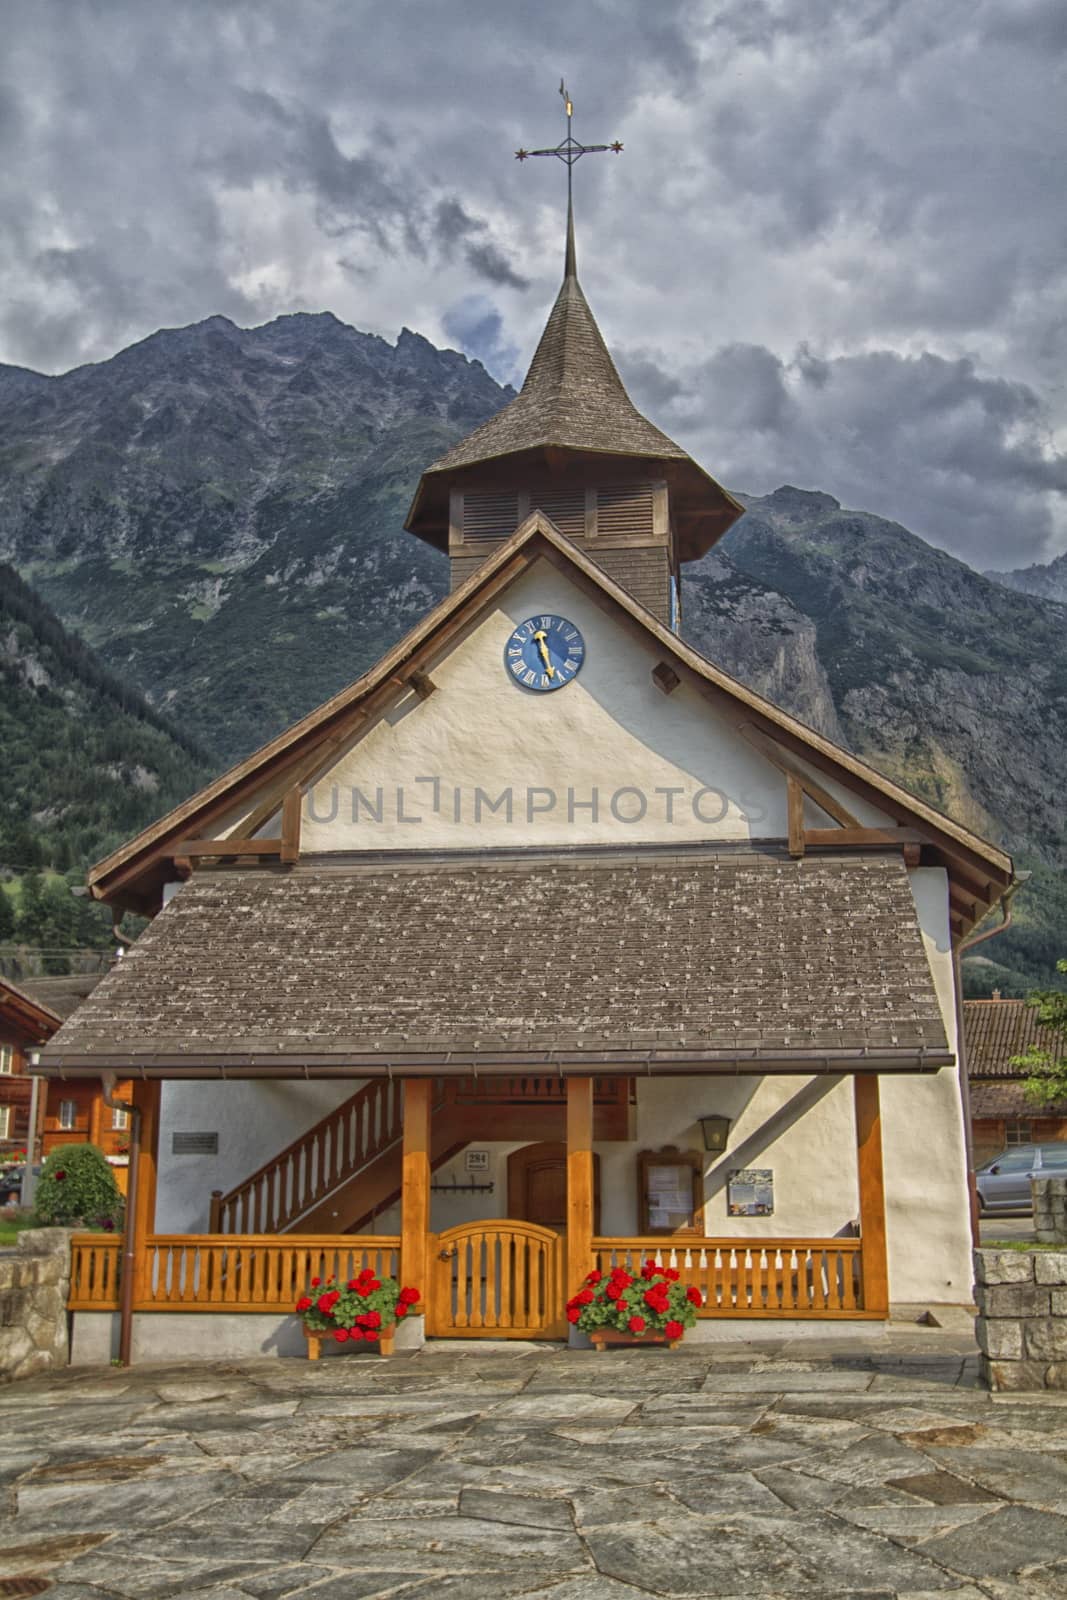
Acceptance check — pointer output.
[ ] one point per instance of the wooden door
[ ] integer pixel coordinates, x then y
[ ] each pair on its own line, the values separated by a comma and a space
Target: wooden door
537, 1185
496, 1280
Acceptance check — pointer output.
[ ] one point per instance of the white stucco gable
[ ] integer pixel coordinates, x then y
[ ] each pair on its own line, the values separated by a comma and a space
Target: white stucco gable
609, 758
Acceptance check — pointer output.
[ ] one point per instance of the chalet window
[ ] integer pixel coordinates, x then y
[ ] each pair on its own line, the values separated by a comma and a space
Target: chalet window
7, 1058
119, 1119
1018, 1132
68, 1114
5, 1122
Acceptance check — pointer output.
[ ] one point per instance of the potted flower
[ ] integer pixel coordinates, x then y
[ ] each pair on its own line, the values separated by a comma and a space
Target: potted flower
653, 1308
363, 1311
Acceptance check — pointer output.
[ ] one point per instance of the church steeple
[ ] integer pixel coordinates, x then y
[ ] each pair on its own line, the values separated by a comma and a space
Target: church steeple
573, 444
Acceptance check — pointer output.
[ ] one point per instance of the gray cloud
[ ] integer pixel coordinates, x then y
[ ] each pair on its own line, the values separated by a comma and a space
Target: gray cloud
961, 459
833, 251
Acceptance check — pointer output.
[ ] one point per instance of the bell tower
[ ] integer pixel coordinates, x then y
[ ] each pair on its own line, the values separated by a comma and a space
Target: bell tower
573, 445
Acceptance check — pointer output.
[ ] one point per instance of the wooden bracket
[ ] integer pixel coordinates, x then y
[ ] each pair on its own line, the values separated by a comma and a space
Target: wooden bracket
665, 677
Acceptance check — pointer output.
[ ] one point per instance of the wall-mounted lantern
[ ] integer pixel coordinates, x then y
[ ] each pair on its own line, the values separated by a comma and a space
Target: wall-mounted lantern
716, 1131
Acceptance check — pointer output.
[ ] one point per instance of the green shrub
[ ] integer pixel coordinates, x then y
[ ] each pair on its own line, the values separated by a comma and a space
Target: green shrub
77, 1189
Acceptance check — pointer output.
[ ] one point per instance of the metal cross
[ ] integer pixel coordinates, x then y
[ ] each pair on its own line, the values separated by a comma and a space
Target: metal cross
569, 149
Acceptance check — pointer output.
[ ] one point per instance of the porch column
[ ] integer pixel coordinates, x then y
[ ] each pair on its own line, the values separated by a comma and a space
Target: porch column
140, 1209
415, 1185
579, 1181
872, 1193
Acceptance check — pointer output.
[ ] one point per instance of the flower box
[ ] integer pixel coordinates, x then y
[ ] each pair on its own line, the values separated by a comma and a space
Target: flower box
600, 1338
649, 1306
363, 1311
384, 1341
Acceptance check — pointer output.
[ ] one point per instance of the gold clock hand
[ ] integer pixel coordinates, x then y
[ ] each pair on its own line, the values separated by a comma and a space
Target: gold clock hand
541, 636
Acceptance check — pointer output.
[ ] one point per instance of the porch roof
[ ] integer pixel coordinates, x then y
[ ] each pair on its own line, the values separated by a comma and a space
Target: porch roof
705, 961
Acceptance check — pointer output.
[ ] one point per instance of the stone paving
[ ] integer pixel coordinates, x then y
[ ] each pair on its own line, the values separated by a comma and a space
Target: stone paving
820, 1469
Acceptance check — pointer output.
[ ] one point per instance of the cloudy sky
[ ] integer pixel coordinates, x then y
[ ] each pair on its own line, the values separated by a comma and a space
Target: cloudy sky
833, 252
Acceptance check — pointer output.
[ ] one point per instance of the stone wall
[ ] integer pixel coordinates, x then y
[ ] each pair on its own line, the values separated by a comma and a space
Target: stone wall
34, 1288
1022, 1318
1050, 1209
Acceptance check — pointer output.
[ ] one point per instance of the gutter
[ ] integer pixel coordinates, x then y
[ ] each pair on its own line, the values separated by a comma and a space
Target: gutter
562, 1064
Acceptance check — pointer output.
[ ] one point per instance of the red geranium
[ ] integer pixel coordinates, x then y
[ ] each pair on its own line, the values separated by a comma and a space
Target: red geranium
594, 1277
694, 1296
636, 1324
573, 1313
356, 1308
644, 1306
674, 1330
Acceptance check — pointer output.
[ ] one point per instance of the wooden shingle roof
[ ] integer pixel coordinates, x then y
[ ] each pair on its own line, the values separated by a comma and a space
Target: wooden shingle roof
573, 400
721, 960
997, 1030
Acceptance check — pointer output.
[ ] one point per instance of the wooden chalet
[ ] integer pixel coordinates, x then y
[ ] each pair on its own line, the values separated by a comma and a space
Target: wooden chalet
544, 944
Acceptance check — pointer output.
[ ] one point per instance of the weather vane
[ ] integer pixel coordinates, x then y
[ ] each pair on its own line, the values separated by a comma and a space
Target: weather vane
570, 149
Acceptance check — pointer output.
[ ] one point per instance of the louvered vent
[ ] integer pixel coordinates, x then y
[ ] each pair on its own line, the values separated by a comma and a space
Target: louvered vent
490, 516
567, 511
626, 509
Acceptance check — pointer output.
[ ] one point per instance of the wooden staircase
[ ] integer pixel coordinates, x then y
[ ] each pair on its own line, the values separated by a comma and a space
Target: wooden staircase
345, 1170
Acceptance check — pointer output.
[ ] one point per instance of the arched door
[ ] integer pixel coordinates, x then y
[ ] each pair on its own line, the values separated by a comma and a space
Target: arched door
537, 1185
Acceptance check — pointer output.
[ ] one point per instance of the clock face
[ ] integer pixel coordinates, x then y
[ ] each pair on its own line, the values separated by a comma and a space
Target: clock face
544, 653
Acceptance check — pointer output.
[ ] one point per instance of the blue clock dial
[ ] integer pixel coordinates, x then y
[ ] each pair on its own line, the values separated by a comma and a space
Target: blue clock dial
544, 653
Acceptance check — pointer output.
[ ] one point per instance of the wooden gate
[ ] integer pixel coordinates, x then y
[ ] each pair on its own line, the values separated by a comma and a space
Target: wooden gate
496, 1280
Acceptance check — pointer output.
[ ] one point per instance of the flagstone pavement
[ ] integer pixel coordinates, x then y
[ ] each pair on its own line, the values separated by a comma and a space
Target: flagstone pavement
766, 1471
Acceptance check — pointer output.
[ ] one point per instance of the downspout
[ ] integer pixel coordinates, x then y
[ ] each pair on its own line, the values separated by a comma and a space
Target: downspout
129, 1252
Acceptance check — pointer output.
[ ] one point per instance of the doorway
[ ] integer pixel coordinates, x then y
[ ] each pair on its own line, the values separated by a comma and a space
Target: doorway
537, 1185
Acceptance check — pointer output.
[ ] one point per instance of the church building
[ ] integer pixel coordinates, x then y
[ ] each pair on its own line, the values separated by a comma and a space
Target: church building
544, 945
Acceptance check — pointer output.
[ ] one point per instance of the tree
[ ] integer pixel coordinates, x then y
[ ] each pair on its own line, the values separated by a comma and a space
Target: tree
1046, 1081
7, 916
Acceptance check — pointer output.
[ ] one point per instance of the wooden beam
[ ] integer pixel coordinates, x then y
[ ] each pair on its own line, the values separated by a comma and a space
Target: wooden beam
913, 854
872, 1192
816, 837
665, 678
291, 825
579, 1183
795, 797
422, 684
227, 847
415, 1185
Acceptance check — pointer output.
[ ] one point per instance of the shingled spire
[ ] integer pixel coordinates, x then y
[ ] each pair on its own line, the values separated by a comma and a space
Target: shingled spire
573, 444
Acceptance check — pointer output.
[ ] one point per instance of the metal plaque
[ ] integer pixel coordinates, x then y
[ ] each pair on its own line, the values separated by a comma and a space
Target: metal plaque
477, 1161
194, 1144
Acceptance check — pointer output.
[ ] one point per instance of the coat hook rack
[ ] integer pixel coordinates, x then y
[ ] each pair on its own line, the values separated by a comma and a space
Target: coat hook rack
462, 1188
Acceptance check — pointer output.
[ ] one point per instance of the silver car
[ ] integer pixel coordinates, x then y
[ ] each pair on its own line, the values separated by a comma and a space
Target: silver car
1004, 1183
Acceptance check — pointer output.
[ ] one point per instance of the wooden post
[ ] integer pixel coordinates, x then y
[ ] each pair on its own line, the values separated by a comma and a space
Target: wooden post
141, 1205
579, 1182
872, 1193
415, 1185
795, 801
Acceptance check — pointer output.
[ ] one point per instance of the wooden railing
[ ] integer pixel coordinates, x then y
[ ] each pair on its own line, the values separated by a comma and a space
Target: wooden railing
95, 1263
227, 1272
755, 1277
317, 1162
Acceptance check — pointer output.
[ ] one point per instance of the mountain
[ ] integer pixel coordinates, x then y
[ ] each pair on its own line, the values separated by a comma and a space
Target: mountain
85, 762
1048, 581
218, 512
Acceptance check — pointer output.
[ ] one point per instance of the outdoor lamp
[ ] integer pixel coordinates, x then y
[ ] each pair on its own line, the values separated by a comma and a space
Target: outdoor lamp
716, 1131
